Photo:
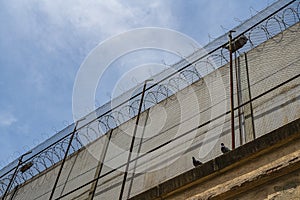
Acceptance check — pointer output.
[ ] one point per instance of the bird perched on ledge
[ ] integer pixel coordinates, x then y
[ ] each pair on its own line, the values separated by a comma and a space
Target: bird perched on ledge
224, 149
196, 162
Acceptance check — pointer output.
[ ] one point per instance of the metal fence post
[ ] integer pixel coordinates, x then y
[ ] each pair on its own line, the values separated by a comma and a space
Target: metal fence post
231, 91
64, 160
15, 173
133, 139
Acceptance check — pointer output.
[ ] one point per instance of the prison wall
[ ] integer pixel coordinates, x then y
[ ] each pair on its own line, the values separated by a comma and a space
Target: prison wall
180, 127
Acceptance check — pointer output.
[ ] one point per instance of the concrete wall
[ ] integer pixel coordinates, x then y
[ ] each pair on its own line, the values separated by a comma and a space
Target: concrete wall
265, 168
283, 188
177, 117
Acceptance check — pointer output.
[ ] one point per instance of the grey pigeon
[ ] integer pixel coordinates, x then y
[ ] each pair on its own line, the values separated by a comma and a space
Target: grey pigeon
224, 149
196, 162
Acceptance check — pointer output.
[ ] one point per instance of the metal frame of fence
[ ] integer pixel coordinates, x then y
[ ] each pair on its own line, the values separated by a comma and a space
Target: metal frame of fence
263, 26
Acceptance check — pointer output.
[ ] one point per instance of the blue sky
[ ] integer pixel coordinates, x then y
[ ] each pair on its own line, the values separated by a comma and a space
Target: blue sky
43, 43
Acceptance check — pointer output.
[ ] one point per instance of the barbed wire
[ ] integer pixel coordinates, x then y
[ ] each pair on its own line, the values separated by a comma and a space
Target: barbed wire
193, 70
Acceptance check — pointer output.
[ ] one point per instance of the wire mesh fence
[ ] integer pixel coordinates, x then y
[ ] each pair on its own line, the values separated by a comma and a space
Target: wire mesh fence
271, 24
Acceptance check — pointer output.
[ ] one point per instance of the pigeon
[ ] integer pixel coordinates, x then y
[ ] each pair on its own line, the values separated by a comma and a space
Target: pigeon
224, 149
196, 162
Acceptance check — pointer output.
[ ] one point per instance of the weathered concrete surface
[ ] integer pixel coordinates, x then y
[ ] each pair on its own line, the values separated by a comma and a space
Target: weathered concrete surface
269, 64
286, 187
271, 157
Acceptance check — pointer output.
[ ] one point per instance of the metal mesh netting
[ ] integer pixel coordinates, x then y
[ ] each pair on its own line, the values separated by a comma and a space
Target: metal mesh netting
266, 24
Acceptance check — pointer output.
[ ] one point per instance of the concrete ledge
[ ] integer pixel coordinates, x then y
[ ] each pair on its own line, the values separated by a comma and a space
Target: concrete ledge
224, 162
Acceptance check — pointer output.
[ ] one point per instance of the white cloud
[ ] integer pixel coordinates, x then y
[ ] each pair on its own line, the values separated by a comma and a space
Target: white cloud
7, 119
74, 27
53, 23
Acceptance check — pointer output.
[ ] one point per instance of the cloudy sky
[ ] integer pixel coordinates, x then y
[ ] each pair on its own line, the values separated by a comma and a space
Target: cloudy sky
44, 42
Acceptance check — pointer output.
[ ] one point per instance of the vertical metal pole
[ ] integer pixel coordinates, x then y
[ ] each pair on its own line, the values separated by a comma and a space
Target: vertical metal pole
231, 91
138, 153
250, 98
12, 178
14, 174
64, 160
238, 87
105, 148
133, 139
14, 193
